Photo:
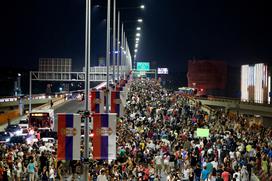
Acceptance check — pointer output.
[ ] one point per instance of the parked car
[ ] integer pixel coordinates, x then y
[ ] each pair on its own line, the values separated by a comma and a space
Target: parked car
4, 137
16, 140
14, 129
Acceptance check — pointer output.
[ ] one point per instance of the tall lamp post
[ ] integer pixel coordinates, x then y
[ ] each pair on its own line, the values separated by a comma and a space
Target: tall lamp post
118, 47
120, 43
108, 55
114, 40
87, 87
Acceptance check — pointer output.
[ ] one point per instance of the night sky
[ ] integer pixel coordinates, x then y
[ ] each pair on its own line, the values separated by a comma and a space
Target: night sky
174, 31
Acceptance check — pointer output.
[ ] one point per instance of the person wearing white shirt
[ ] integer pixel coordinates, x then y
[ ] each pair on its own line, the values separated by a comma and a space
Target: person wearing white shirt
19, 168
51, 174
215, 163
237, 176
186, 172
102, 176
158, 164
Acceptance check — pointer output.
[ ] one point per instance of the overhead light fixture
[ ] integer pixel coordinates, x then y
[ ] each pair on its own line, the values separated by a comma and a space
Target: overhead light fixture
138, 34
136, 45
137, 39
138, 28
140, 20
136, 50
142, 6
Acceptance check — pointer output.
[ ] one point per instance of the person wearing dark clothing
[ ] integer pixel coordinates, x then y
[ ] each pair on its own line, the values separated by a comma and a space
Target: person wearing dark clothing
44, 174
249, 169
197, 173
43, 161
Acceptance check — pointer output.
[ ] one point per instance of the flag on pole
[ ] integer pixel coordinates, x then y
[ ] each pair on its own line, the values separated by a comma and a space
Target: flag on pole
69, 136
104, 139
97, 101
117, 105
124, 88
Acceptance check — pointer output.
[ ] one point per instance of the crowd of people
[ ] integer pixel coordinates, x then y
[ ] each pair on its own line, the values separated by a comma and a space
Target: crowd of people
157, 140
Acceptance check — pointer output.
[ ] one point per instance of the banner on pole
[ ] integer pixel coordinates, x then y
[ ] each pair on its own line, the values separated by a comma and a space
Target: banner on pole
104, 139
117, 102
69, 132
97, 101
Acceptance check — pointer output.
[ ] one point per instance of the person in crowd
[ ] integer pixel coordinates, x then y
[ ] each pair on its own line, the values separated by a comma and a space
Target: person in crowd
102, 176
31, 170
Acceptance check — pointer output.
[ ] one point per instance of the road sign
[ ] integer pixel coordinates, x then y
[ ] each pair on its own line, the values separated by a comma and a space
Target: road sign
143, 66
162, 70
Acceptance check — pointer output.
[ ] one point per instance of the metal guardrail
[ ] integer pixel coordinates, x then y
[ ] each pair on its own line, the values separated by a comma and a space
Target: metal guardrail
15, 98
47, 105
97, 74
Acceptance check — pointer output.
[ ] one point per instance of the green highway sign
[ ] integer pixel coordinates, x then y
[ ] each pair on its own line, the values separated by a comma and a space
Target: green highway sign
143, 66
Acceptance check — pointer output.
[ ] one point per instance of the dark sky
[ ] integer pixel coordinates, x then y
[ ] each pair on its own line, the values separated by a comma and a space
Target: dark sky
173, 31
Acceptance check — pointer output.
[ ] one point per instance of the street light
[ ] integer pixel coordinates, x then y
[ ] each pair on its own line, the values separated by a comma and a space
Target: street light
138, 34
142, 6
136, 45
140, 20
138, 28
136, 50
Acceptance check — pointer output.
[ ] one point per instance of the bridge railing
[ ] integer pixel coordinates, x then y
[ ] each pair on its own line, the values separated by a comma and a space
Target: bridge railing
232, 100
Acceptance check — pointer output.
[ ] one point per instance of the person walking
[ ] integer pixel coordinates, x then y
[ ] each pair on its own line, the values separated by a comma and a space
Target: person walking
204, 174
31, 170
102, 176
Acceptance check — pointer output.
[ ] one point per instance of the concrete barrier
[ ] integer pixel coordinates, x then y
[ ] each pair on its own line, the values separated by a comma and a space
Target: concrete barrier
10, 115
56, 101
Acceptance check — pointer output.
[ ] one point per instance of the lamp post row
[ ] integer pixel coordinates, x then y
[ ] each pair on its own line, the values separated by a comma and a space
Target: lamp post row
123, 58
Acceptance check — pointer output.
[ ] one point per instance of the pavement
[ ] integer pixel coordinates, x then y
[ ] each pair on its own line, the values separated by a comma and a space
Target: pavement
71, 106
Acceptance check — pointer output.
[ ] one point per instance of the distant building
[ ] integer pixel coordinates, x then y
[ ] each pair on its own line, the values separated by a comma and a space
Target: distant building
256, 83
101, 61
55, 64
209, 77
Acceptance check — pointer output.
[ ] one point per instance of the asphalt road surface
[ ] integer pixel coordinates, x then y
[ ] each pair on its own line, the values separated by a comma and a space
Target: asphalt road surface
70, 107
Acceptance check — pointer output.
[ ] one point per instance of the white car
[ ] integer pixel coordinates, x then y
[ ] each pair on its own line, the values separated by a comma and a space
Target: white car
30, 139
42, 130
48, 140
23, 124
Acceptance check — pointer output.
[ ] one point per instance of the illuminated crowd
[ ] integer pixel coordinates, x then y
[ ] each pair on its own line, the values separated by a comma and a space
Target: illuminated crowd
156, 140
